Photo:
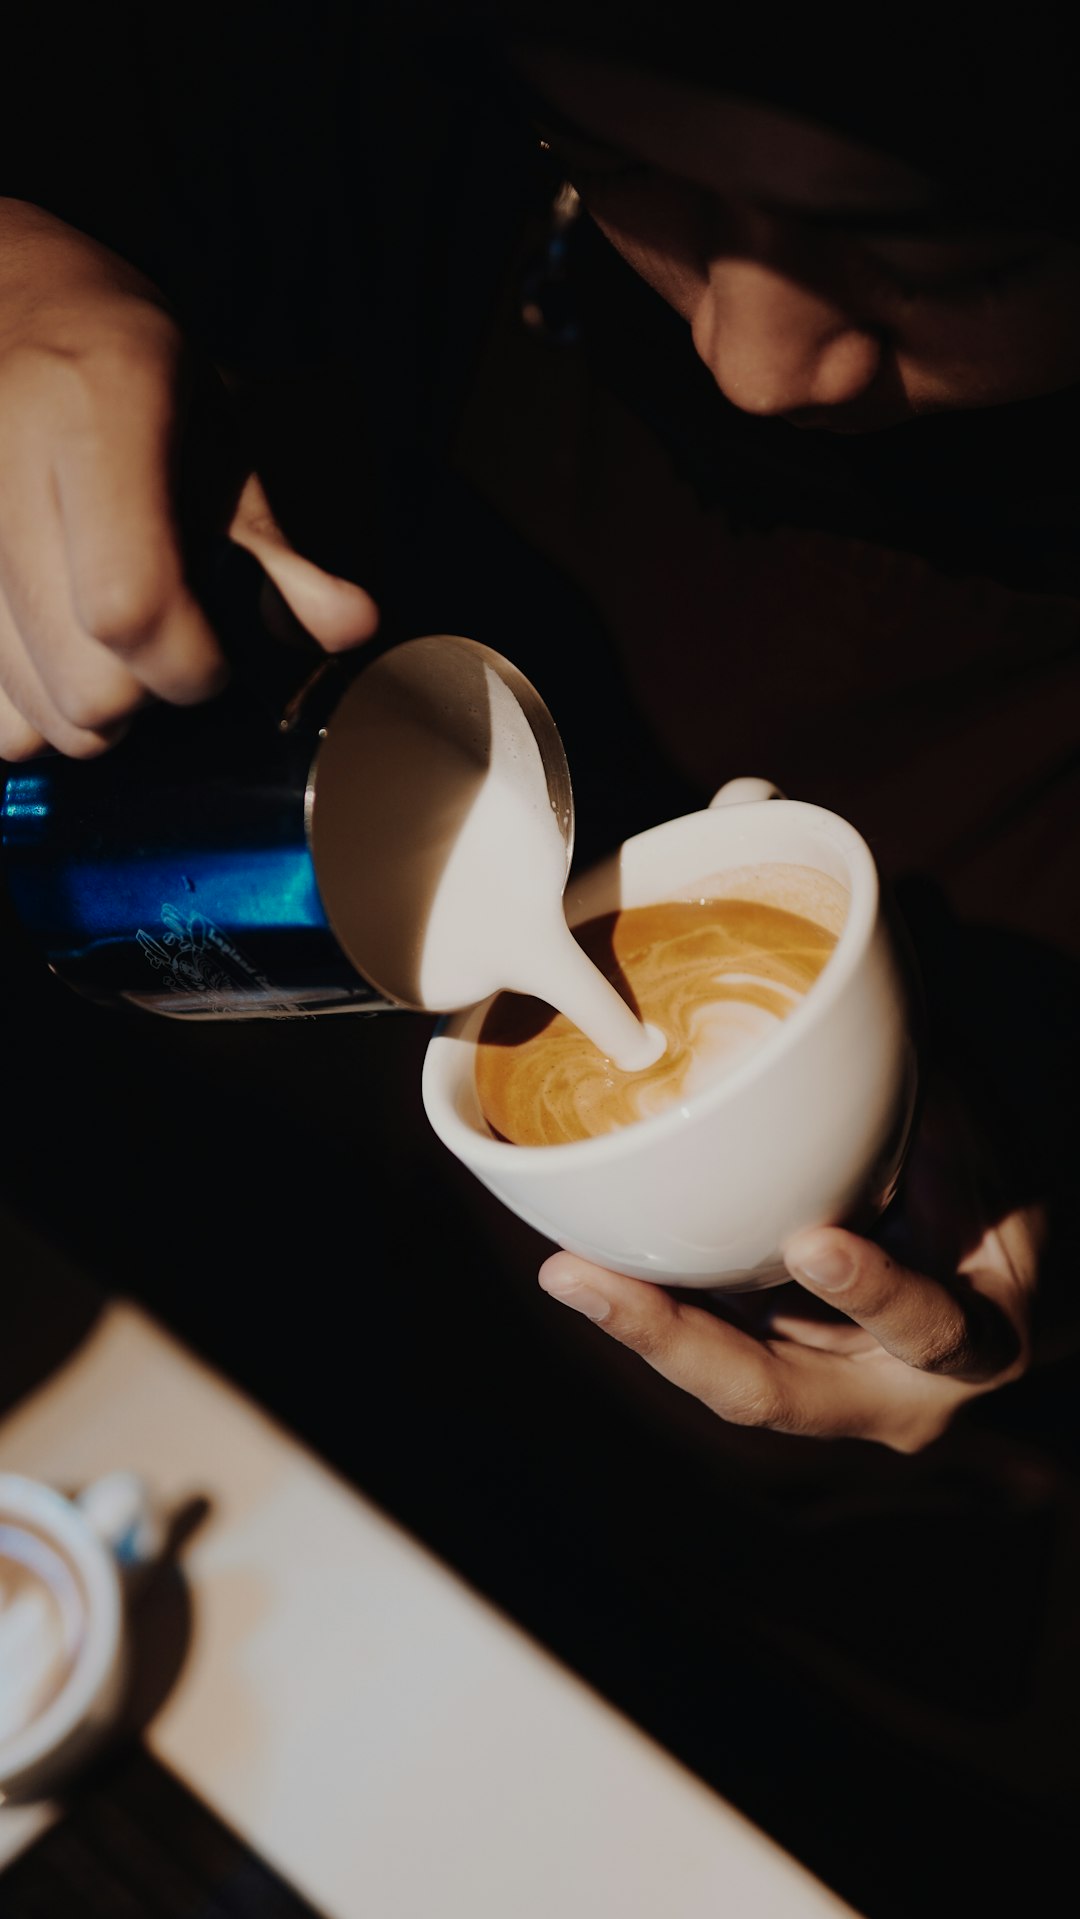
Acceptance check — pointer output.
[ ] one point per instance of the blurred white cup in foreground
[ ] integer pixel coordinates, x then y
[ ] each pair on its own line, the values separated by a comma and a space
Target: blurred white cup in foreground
63, 1639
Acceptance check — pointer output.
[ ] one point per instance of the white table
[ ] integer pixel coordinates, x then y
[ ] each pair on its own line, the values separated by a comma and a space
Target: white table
382, 1736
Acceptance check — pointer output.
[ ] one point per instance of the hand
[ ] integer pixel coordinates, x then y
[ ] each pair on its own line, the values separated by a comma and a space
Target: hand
906, 1347
95, 613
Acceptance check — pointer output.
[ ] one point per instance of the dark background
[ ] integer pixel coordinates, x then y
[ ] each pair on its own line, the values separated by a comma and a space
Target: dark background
875, 1657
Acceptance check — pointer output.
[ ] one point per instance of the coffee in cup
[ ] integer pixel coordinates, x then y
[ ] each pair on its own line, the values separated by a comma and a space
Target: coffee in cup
808, 1126
714, 973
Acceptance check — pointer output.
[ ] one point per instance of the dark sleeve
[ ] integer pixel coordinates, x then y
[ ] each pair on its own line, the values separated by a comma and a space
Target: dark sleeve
301, 182
198, 146
1000, 1022
77, 135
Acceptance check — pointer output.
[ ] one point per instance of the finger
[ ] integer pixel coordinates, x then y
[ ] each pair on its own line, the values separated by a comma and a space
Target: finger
841, 1336
748, 1381
128, 592
335, 612
923, 1323
1009, 1251
792, 1312
18, 739
87, 685
38, 721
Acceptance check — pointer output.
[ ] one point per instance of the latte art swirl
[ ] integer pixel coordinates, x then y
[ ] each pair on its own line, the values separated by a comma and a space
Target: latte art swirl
716, 976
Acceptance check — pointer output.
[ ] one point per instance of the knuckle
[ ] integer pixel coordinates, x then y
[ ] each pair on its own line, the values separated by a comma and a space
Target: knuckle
197, 676
755, 1399
132, 363
66, 376
120, 609
762, 1407
85, 746
988, 1347
77, 381
955, 1355
134, 337
651, 1339
976, 1341
28, 365
18, 740
159, 337
97, 710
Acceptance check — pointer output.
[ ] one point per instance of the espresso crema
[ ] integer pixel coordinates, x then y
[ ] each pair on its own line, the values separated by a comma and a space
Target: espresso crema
715, 973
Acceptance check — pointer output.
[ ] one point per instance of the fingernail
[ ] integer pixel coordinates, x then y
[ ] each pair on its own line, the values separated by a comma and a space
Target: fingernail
583, 1299
832, 1269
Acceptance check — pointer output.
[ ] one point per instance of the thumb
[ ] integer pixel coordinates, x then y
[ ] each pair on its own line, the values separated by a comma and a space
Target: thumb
336, 612
935, 1328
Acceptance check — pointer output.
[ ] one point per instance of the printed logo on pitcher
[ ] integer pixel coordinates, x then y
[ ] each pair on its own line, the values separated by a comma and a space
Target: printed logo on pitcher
193, 956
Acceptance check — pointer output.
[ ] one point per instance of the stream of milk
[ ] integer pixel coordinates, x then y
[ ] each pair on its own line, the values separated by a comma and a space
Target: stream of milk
497, 920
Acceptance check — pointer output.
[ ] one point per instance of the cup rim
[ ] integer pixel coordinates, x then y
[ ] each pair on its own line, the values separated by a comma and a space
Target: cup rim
47, 1510
485, 1154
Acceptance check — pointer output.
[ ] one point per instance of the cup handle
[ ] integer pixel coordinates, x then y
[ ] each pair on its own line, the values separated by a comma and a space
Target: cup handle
118, 1508
740, 792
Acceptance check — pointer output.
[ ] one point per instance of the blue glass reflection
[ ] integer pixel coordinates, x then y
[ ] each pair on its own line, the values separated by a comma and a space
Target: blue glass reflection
25, 797
258, 889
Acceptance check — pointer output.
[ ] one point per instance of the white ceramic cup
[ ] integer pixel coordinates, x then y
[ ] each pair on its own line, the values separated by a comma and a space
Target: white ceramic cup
106, 1532
809, 1129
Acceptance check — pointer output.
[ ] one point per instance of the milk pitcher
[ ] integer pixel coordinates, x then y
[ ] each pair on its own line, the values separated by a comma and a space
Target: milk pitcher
274, 853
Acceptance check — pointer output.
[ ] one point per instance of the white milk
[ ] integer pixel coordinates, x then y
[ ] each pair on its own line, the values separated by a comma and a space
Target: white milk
496, 920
